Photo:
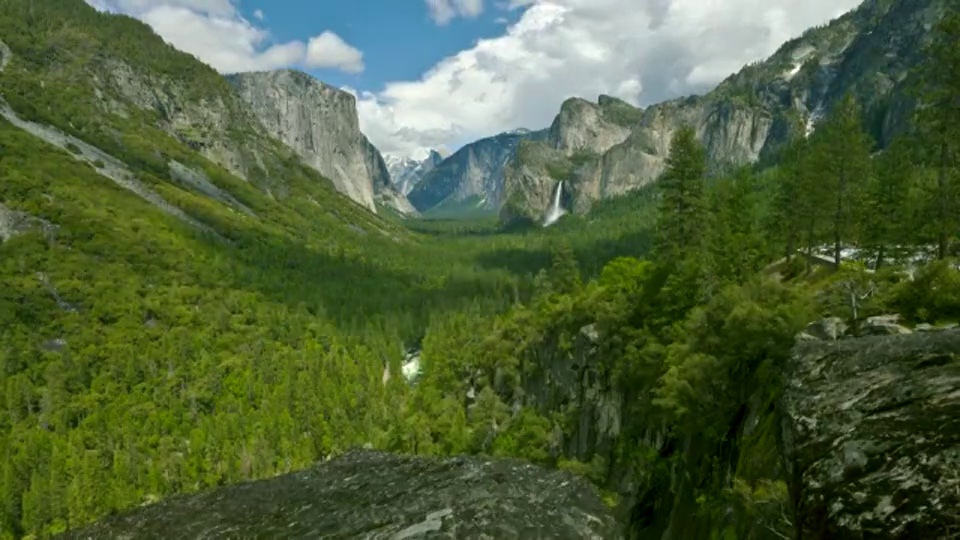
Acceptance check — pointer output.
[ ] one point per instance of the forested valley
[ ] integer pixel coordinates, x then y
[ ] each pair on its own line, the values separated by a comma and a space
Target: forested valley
141, 357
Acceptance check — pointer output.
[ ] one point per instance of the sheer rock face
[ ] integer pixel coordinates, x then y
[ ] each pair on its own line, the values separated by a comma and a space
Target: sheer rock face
374, 495
474, 171
320, 123
871, 436
582, 126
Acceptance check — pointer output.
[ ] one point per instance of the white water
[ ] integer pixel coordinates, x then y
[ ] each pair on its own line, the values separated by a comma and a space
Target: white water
555, 211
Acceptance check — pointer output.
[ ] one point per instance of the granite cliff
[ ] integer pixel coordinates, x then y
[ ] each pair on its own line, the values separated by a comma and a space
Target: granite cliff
473, 175
320, 123
608, 148
375, 495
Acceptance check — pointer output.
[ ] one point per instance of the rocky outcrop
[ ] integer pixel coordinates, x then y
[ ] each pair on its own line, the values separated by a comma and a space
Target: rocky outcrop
208, 125
320, 123
582, 126
613, 148
14, 223
374, 495
871, 436
103, 163
475, 173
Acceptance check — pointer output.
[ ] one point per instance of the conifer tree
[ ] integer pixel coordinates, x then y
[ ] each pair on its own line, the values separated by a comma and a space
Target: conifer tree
887, 209
680, 225
841, 159
939, 122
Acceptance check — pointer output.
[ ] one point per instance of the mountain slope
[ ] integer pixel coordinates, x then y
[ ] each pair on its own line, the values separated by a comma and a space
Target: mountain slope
746, 118
475, 171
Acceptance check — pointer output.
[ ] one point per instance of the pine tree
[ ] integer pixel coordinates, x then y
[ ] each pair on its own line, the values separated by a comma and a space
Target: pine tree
939, 122
680, 224
733, 238
887, 210
841, 160
564, 275
788, 210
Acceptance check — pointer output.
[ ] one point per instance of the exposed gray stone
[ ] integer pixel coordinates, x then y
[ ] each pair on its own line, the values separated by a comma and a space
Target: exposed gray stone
320, 123
474, 171
197, 180
14, 223
107, 165
375, 495
830, 328
871, 435
883, 325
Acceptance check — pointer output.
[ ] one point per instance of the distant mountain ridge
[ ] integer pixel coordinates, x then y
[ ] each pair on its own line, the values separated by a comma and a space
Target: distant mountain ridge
475, 171
606, 148
406, 172
868, 51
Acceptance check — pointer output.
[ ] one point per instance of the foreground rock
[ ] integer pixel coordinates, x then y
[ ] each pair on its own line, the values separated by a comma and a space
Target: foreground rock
871, 436
371, 495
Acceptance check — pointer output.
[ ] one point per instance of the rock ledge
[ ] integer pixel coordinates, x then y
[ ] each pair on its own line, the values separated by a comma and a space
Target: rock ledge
374, 495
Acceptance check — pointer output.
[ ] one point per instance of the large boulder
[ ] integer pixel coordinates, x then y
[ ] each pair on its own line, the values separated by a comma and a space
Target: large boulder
871, 436
373, 495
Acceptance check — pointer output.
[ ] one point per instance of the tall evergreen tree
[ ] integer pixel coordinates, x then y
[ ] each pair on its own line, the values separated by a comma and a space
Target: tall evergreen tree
939, 122
841, 160
733, 237
793, 203
680, 226
887, 210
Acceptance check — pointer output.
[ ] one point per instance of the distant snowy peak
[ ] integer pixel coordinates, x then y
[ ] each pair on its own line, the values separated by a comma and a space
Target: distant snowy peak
407, 171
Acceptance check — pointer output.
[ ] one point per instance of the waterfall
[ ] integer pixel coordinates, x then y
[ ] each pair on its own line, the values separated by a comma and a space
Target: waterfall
555, 210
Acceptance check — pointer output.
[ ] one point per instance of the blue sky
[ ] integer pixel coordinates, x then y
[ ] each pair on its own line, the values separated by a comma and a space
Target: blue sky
398, 38
435, 74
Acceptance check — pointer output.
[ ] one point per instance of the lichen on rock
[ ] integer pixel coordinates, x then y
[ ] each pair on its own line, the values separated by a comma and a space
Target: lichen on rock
871, 435
376, 495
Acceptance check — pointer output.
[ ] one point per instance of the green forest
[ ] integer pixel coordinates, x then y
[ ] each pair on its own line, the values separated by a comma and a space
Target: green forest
141, 357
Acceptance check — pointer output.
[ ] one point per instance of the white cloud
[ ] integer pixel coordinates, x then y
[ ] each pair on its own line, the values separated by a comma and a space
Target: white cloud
215, 32
258, 14
328, 50
643, 51
443, 11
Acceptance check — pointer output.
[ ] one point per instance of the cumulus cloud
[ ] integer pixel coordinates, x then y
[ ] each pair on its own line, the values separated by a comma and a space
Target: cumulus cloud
643, 51
328, 50
216, 32
443, 11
